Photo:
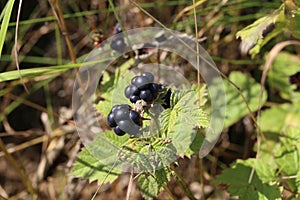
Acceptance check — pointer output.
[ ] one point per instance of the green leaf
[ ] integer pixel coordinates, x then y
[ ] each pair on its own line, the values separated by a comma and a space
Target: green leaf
269, 123
284, 66
281, 150
253, 34
182, 120
4, 24
235, 107
286, 115
88, 167
149, 186
288, 157
237, 177
293, 18
279, 28
107, 146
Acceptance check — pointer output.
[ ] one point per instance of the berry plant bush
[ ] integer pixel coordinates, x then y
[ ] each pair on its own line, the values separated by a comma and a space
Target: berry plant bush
158, 125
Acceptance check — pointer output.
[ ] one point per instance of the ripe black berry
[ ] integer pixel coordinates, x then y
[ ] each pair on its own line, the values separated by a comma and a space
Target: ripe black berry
154, 88
128, 127
118, 44
111, 121
121, 114
118, 131
134, 98
131, 90
135, 117
146, 95
141, 82
148, 75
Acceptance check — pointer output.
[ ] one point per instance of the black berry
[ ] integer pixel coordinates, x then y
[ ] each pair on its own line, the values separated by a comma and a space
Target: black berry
148, 75
135, 117
118, 131
154, 88
134, 98
118, 44
111, 121
146, 95
131, 90
141, 82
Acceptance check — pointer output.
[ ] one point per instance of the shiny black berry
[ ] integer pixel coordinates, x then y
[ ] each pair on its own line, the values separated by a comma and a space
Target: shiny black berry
118, 131
110, 119
146, 95
135, 117
134, 98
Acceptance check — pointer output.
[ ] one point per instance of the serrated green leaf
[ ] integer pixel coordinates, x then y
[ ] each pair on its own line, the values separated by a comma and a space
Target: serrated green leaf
88, 167
253, 34
181, 121
237, 177
148, 186
283, 67
162, 176
106, 147
235, 106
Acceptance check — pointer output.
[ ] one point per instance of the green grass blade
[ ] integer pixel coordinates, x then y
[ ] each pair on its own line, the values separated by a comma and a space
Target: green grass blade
40, 71
5, 22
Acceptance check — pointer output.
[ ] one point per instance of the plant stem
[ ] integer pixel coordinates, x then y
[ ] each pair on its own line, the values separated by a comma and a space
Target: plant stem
56, 8
183, 185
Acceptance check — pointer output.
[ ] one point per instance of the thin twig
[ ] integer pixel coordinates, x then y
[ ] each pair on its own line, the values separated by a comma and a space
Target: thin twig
129, 188
199, 92
56, 133
271, 57
56, 8
16, 47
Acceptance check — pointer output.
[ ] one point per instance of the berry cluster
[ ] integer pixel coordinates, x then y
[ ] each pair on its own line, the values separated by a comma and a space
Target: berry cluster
142, 88
125, 119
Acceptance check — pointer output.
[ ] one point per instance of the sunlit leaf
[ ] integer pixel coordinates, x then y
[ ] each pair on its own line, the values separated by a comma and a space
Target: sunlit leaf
89, 167
284, 66
236, 108
253, 34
